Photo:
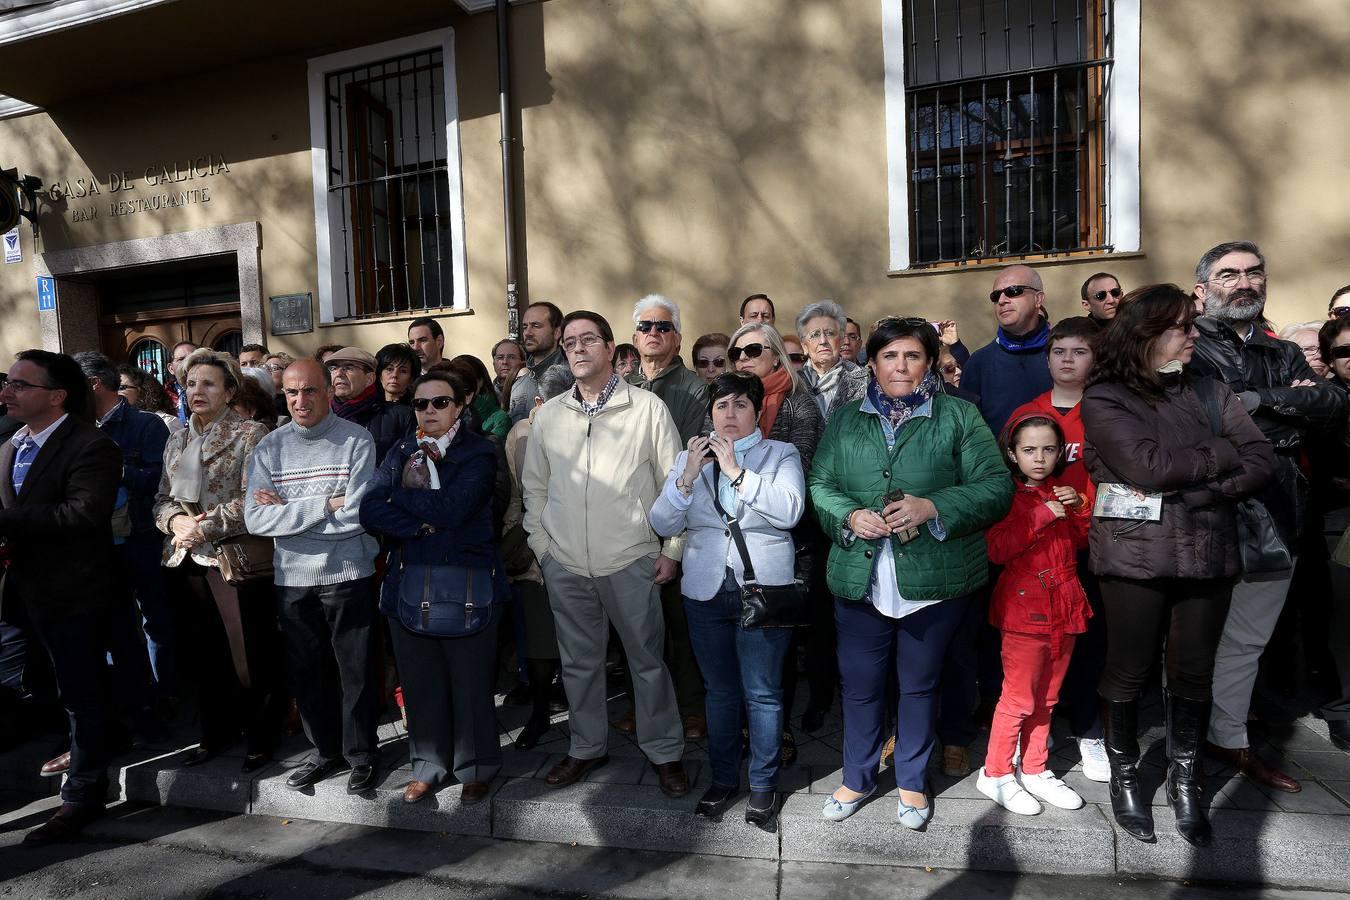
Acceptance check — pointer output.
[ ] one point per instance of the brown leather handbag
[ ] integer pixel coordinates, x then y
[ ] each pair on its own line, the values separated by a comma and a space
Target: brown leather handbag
245, 559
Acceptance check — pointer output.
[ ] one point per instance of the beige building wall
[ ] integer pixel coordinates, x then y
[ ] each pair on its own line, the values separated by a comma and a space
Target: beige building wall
707, 150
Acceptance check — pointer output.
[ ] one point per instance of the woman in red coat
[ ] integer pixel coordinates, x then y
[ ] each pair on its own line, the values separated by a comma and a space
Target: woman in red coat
1040, 606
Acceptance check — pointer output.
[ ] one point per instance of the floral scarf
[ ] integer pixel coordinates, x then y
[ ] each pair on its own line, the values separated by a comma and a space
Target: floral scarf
898, 410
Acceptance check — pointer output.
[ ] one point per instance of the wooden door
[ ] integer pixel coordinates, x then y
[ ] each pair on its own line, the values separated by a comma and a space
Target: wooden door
146, 338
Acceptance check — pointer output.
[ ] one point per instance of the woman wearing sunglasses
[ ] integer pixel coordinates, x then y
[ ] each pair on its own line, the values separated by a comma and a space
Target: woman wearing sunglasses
1331, 498
904, 483
431, 500
710, 355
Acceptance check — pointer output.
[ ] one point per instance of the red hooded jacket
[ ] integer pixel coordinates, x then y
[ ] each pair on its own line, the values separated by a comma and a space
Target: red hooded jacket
1038, 591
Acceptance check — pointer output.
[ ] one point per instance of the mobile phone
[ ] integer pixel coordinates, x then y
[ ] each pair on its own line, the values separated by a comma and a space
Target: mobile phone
707, 451
896, 496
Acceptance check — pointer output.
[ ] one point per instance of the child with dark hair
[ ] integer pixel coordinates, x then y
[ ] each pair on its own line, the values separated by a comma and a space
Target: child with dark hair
1039, 606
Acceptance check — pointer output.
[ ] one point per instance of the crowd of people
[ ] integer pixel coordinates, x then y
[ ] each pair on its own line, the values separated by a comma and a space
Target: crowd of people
942, 539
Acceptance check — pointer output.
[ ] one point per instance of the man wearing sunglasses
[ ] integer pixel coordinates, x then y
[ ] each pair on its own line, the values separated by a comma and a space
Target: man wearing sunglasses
1291, 406
1101, 295
595, 463
305, 485
357, 397
1010, 370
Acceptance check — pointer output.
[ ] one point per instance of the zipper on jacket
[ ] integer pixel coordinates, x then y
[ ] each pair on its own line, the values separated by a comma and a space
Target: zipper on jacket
586, 496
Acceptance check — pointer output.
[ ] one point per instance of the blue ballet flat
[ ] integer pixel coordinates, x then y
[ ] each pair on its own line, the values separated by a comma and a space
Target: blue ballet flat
837, 811
914, 818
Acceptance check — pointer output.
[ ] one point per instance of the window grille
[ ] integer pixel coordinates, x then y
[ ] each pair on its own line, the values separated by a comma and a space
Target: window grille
388, 184
1006, 108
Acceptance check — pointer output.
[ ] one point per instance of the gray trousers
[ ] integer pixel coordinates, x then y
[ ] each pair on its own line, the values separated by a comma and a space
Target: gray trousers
447, 689
583, 609
1252, 614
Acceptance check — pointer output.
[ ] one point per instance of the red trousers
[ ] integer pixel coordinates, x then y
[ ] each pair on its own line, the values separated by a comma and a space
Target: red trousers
1032, 674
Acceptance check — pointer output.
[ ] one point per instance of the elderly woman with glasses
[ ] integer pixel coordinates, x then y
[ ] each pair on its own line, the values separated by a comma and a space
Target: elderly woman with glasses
833, 380
710, 355
904, 484
431, 500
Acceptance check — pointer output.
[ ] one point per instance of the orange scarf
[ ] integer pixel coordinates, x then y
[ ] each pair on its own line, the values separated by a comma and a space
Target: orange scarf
776, 387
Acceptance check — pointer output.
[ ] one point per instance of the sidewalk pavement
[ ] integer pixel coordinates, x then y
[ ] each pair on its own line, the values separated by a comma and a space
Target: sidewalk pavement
1261, 837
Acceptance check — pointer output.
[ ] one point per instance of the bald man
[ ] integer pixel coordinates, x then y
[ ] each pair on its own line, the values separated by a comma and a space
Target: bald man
1010, 370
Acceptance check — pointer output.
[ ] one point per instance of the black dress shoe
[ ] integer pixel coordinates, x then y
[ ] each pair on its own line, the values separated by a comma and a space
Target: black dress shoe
310, 773
534, 729
715, 801
361, 780
1339, 729
198, 755
762, 809
520, 695
255, 761
813, 720
68, 822
671, 778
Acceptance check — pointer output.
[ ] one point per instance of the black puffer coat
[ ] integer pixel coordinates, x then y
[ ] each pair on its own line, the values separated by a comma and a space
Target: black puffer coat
1170, 447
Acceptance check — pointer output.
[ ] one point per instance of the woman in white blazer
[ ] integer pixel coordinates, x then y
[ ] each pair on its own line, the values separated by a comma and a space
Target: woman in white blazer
760, 484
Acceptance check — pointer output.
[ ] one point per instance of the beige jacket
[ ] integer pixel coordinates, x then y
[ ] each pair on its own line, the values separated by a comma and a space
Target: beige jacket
588, 483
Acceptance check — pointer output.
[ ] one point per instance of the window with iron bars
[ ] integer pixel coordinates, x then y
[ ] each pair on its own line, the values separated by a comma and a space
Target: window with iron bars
388, 186
1006, 111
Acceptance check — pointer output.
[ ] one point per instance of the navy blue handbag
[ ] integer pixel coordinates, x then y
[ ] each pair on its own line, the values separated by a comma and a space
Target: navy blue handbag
440, 600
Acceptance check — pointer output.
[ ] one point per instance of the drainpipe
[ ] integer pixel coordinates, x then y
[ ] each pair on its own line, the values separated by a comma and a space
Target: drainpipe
508, 191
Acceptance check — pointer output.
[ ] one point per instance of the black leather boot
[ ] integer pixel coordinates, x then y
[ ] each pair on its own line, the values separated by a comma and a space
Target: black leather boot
1187, 722
1128, 803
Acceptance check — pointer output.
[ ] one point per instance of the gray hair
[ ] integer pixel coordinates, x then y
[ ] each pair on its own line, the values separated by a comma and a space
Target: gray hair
775, 342
98, 367
821, 308
1205, 266
661, 302
556, 379
1287, 332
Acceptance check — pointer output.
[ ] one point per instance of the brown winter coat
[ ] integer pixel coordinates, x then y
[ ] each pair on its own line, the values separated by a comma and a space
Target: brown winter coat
1169, 447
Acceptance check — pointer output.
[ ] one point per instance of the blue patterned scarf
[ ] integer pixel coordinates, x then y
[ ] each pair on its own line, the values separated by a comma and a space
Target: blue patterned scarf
899, 409
1036, 340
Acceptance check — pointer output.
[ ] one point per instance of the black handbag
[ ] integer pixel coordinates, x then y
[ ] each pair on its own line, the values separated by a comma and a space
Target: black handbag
441, 600
762, 605
1259, 540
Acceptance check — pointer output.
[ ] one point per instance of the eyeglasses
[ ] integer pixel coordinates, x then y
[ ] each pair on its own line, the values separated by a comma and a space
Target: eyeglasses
1184, 326
421, 403
646, 325
20, 385
274, 367
1341, 352
949, 369
583, 342
1230, 277
907, 321
1099, 296
704, 362
749, 351
335, 368
797, 358
1341, 312
1012, 290
822, 334
126, 387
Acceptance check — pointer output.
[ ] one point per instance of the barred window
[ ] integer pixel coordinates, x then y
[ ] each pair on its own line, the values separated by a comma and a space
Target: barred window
387, 181
1006, 109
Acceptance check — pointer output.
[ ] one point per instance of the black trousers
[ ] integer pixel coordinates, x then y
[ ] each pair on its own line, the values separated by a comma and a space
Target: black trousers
233, 697
329, 635
1189, 613
1338, 631
1078, 700
77, 646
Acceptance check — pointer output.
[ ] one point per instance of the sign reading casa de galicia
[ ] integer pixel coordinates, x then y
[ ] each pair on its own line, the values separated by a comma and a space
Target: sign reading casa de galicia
159, 186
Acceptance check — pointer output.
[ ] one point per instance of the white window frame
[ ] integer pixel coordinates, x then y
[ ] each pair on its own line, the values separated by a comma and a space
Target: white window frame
328, 227
1122, 132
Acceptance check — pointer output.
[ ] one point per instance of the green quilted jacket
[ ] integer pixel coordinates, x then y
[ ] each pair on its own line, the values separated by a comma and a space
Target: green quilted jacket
950, 458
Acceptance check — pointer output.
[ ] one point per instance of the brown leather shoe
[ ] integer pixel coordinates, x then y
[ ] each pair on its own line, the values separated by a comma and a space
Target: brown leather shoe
955, 761
415, 791
672, 778
68, 822
695, 727
627, 723
57, 765
571, 769
1251, 765
474, 792
888, 753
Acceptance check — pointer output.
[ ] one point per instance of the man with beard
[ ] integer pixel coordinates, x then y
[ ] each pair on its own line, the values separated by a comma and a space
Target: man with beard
540, 331
1101, 295
1289, 403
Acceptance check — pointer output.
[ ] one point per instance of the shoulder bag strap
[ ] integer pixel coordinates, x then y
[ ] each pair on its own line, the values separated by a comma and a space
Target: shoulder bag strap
734, 526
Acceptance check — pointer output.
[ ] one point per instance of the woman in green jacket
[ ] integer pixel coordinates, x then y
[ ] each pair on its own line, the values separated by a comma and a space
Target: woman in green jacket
904, 483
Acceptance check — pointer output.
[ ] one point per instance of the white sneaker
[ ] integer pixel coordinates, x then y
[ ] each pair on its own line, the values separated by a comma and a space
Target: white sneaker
1047, 787
1096, 767
1007, 793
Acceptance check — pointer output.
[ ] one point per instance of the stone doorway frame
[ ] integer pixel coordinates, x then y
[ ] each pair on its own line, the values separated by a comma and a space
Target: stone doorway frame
74, 324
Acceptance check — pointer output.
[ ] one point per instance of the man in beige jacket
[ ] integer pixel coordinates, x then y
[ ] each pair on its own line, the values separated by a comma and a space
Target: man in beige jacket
595, 463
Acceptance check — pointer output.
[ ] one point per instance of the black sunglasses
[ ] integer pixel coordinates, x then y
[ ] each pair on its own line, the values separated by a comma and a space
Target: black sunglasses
1099, 296
421, 403
1012, 290
751, 351
798, 358
704, 362
1341, 312
1341, 352
646, 325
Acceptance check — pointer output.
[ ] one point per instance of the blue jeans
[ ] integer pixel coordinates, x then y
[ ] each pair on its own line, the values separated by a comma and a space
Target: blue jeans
740, 669
869, 645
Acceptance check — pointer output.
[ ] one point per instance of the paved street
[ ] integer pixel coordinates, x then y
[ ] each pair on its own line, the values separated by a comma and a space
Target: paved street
142, 852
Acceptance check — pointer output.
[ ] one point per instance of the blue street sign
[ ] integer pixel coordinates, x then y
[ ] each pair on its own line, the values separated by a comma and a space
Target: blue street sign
46, 292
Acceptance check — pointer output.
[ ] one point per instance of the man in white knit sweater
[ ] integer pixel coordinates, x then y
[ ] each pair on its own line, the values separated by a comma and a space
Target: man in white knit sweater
304, 490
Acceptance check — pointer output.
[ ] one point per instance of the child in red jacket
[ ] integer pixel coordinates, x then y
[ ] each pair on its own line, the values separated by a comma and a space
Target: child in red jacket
1039, 605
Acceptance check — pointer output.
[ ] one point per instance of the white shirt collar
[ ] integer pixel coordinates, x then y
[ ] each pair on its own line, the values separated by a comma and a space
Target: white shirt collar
41, 437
